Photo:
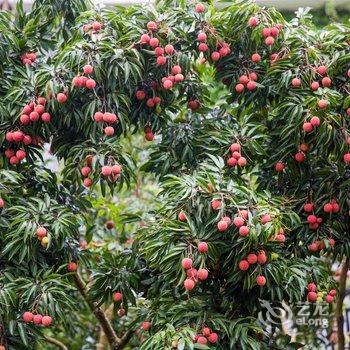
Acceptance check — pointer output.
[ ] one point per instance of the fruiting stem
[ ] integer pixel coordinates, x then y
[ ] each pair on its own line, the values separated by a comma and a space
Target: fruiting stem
339, 306
105, 323
56, 342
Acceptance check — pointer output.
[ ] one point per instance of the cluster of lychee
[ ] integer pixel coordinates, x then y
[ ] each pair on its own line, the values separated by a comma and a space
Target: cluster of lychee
326, 81
149, 135
151, 101
314, 222
41, 233
107, 118
280, 236
311, 124
206, 335
222, 48
28, 58
16, 156
193, 275
269, 33
83, 81
118, 298
94, 27
246, 81
86, 170
236, 156
35, 111
299, 157
37, 319
314, 296
320, 245
251, 260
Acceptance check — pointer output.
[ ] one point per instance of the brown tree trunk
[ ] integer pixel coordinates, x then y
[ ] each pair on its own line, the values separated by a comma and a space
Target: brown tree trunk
339, 306
105, 323
102, 340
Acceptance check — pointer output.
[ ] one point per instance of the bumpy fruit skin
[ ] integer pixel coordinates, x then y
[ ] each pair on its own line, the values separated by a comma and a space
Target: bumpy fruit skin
41, 232
346, 158
199, 8
311, 287
202, 340
222, 225
202, 247
186, 263
206, 331
61, 98
265, 219
260, 280
2, 203
37, 319
88, 69
189, 284
329, 299
87, 182
253, 22
252, 259
152, 26
213, 338
269, 41
243, 231
109, 131
296, 82
262, 258
117, 297
279, 166
243, 265
323, 104
216, 204
146, 326
256, 58
314, 85
308, 207
27, 317
72, 267
46, 321
182, 216
154, 42
322, 70
312, 297
202, 274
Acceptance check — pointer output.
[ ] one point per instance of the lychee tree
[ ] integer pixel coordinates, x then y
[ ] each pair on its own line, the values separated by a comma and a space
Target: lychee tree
218, 88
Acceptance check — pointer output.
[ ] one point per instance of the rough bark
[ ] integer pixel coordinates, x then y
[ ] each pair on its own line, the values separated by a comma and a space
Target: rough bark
339, 306
105, 323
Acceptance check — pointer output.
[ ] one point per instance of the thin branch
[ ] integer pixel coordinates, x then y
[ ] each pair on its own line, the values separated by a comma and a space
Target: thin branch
124, 340
339, 307
56, 342
105, 323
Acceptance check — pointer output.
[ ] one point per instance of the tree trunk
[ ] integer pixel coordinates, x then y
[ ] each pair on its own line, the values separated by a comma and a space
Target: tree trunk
105, 323
102, 340
339, 306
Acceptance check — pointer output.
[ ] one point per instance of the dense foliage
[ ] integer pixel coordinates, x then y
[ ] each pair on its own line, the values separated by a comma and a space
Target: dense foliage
246, 116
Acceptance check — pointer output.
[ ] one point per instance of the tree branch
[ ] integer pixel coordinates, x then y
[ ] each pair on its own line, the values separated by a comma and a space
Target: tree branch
56, 342
105, 323
124, 340
339, 306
